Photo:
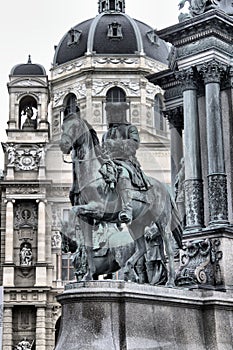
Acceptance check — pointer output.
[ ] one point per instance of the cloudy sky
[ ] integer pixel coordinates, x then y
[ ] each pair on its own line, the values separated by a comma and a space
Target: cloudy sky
35, 27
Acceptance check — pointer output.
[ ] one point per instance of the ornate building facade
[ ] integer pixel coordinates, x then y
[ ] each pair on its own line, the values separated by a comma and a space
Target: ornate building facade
106, 58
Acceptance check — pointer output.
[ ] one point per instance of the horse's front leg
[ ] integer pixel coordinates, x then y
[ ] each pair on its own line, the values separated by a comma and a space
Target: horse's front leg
91, 268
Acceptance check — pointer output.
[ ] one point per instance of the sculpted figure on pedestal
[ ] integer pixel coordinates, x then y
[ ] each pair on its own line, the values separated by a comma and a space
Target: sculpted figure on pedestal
96, 200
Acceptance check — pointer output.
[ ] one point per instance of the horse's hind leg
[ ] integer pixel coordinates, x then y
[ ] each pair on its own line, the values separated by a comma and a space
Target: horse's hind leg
169, 248
131, 262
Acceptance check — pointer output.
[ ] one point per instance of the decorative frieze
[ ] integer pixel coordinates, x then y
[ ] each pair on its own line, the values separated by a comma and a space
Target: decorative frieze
200, 263
115, 60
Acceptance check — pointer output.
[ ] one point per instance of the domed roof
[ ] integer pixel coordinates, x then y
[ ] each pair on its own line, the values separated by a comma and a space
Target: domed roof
111, 32
28, 69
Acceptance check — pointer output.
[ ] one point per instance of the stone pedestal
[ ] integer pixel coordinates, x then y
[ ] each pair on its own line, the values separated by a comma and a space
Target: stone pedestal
117, 315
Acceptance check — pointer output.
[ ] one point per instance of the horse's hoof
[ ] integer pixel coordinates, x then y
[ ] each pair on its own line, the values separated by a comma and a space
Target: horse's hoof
87, 277
170, 284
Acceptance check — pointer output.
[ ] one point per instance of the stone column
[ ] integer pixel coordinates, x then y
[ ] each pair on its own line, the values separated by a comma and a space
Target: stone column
41, 270
8, 269
193, 175
212, 73
176, 122
7, 341
40, 329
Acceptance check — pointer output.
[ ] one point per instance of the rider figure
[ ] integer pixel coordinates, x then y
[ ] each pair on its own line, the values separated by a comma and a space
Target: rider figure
120, 143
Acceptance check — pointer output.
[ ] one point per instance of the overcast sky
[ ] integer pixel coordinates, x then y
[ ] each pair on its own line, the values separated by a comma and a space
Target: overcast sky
35, 27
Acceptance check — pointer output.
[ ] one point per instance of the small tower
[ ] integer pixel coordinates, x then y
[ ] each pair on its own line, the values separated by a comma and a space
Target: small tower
25, 259
111, 5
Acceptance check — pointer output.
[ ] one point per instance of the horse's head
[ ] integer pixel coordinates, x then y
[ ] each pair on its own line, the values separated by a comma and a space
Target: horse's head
78, 134
71, 131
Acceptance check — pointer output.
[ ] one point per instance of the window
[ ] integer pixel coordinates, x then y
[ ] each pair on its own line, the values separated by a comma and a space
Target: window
153, 37
67, 267
115, 94
115, 31
70, 105
112, 5
158, 113
73, 37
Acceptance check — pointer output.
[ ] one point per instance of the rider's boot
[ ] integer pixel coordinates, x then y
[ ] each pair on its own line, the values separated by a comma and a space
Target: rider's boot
124, 187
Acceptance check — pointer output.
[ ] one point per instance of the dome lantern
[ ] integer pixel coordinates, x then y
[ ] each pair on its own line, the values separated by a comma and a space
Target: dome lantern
111, 6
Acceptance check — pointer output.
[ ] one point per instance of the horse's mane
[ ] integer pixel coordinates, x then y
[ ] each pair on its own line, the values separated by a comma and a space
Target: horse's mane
93, 133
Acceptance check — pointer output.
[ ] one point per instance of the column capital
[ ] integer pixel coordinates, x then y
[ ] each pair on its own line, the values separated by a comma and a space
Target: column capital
9, 200
187, 78
175, 117
212, 71
40, 200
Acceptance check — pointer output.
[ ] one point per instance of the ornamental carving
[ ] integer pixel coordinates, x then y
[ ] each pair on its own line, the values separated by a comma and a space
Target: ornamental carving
217, 192
25, 189
175, 117
25, 216
187, 79
79, 89
113, 60
24, 157
98, 86
212, 71
68, 67
200, 263
194, 203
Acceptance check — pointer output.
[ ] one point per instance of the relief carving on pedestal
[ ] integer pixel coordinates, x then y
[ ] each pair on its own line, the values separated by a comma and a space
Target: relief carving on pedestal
200, 263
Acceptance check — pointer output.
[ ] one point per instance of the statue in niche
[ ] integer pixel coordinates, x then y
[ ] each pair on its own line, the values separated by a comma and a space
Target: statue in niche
24, 345
26, 254
30, 121
56, 240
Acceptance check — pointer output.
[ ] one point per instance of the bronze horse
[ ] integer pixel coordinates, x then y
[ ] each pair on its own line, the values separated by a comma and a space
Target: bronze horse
93, 202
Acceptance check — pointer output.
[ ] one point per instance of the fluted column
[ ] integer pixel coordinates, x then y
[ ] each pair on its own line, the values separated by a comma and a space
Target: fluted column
40, 329
8, 269
212, 73
193, 175
41, 266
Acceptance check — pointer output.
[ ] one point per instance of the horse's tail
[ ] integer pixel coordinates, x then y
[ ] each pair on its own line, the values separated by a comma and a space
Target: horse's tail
176, 225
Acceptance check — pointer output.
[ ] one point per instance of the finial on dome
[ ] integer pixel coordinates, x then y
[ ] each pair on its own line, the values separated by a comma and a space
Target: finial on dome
111, 6
29, 59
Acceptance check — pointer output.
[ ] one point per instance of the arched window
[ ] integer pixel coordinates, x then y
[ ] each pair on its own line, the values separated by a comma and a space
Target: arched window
70, 105
158, 113
116, 94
